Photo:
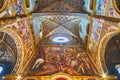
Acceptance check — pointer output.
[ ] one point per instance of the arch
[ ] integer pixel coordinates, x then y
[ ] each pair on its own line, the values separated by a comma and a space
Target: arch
112, 55
117, 8
101, 50
19, 46
3, 4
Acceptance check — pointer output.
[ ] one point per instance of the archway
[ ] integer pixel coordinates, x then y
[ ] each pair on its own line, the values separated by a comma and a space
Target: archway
102, 51
116, 4
11, 52
112, 55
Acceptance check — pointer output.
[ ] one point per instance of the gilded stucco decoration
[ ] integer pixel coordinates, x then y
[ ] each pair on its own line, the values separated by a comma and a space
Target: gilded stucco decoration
58, 39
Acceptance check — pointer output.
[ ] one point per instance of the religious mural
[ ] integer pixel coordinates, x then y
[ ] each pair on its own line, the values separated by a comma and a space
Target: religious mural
108, 27
18, 7
101, 6
94, 40
20, 26
40, 25
12, 8
95, 34
103, 9
54, 59
98, 32
100, 28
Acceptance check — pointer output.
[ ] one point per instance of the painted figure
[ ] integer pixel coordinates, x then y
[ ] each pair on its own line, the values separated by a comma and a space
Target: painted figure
18, 6
53, 59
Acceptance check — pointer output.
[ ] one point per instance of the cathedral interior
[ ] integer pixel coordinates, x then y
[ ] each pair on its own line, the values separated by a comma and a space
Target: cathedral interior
59, 39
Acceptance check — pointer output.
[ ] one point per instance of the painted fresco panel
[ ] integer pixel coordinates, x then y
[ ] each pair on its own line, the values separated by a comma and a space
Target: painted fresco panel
109, 26
100, 28
101, 7
54, 59
94, 40
106, 8
105, 28
18, 7
20, 26
22, 29
95, 34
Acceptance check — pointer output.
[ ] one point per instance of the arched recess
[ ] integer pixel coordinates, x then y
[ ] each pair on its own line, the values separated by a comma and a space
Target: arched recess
112, 55
20, 50
101, 50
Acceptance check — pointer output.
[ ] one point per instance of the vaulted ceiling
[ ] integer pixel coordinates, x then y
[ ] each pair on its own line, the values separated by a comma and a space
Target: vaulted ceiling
54, 23
60, 6
59, 17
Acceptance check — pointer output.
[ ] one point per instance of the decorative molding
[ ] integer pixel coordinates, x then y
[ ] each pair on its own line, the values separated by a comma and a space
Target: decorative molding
101, 50
20, 49
115, 6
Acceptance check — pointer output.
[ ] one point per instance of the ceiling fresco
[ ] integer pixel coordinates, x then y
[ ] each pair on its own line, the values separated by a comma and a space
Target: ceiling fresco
44, 38
54, 59
52, 24
60, 5
104, 10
